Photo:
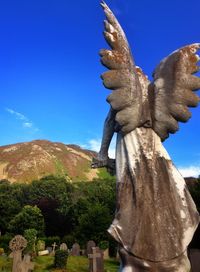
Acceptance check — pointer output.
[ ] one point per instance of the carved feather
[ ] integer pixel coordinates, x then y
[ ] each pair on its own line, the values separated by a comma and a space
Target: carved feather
173, 88
126, 98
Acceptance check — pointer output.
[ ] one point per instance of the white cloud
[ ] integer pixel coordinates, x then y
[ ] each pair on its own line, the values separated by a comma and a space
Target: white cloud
26, 123
18, 115
95, 144
190, 171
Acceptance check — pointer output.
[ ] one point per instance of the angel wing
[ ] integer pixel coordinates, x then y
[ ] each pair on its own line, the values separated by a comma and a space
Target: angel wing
127, 96
172, 89
137, 102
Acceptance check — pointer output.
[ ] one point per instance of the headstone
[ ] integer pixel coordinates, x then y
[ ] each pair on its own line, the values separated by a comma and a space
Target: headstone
63, 246
106, 254
43, 252
194, 256
96, 260
26, 264
75, 250
40, 245
90, 245
53, 248
17, 245
50, 249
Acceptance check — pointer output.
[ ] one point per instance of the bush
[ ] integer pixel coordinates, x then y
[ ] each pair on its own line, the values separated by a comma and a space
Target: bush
103, 245
4, 242
30, 217
112, 247
60, 260
31, 236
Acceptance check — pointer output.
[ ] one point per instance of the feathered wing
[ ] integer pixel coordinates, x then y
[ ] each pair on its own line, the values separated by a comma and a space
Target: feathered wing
172, 89
127, 96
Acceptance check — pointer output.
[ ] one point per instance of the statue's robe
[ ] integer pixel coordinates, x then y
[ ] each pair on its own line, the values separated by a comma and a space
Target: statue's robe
155, 215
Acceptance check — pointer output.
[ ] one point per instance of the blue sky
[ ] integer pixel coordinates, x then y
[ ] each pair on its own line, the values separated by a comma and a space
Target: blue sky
49, 67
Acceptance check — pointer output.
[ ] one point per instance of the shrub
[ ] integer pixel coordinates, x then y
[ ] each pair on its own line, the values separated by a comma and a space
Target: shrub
4, 242
60, 260
112, 247
103, 245
31, 236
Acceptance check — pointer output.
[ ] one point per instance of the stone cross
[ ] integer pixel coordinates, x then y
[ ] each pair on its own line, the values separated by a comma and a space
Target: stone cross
93, 257
17, 245
54, 246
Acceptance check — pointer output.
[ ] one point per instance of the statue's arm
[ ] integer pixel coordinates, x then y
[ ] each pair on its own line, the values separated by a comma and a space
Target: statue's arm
102, 159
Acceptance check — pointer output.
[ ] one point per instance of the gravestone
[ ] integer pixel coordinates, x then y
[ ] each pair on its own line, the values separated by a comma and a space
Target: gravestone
53, 248
43, 252
106, 254
26, 264
17, 245
75, 250
49, 249
194, 256
63, 246
96, 260
90, 245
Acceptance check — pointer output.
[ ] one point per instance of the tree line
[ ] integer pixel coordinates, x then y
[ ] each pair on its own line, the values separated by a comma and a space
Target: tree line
73, 211
53, 206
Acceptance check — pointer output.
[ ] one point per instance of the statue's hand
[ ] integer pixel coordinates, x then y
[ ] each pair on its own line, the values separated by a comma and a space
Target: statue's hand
104, 162
99, 163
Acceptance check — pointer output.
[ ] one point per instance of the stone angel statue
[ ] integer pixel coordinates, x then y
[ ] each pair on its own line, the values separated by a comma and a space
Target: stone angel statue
155, 216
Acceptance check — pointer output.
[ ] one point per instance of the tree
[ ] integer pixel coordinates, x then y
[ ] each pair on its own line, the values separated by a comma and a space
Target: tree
92, 224
28, 218
31, 236
11, 202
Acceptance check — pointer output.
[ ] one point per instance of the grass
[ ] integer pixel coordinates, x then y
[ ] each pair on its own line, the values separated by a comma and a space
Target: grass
5, 264
74, 264
103, 174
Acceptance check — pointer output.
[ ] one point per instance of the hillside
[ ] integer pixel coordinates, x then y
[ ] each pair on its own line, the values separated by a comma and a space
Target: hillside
24, 162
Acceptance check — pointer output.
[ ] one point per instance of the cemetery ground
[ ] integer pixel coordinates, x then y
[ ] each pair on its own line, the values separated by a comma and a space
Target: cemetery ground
74, 264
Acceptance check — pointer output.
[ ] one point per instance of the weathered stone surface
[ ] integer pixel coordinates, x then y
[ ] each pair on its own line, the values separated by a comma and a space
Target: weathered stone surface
96, 260
75, 250
132, 263
90, 245
63, 246
17, 245
106, 254
155, 215
54, 245
43, 252
26, 265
